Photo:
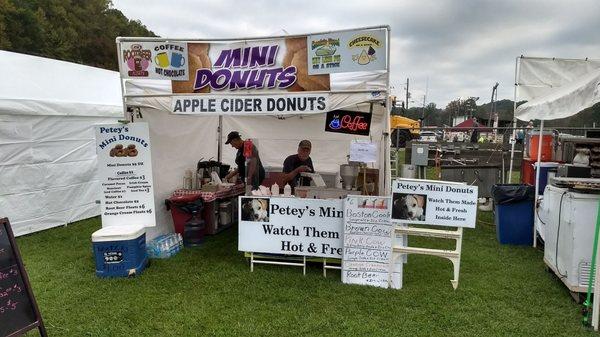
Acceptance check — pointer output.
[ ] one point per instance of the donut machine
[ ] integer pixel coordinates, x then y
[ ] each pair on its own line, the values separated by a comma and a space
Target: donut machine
204, 170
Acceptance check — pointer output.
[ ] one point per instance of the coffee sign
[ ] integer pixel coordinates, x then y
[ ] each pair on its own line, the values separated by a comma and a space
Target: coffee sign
156, 60
349, 122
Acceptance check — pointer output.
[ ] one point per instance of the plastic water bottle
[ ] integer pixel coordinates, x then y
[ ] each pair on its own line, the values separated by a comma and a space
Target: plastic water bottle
179, 240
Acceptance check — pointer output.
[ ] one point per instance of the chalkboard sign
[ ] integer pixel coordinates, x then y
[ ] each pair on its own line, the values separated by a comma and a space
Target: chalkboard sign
18, 310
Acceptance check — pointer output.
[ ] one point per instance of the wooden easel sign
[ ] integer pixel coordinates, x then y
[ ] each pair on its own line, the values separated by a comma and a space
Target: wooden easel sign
19, 312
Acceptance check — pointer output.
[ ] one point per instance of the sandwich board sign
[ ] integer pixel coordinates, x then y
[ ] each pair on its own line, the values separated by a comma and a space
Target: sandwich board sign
19, 312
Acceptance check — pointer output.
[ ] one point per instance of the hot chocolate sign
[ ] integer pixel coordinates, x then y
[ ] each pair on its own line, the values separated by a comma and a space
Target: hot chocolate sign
154, 60
349, 122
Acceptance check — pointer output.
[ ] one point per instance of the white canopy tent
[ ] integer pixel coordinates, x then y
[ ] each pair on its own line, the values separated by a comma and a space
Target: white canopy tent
558, 88
563, 101
47, 152
554, 88
180, 141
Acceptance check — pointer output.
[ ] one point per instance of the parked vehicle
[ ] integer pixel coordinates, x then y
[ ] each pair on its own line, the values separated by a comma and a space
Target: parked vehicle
428, 136
403, 130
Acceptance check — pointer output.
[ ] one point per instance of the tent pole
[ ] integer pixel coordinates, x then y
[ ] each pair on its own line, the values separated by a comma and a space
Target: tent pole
537, 179
120, 60
514, 133
219, 139
387, 174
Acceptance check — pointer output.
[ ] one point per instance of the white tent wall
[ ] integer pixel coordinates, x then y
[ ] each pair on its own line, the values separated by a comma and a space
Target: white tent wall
47, 145
47, 170
177, 143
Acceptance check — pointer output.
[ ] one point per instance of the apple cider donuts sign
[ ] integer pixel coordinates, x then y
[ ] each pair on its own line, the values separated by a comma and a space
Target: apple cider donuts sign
125, 174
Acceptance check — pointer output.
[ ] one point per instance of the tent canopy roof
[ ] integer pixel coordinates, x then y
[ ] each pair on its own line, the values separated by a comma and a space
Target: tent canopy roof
563, 101
40, 86
467, 125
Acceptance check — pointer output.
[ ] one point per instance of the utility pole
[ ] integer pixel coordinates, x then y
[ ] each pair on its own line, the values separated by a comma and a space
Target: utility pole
493, 104
407, 94
425, 99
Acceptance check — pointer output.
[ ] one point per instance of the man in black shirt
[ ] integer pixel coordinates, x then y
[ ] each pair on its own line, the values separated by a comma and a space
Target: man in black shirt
298, 163
256, 171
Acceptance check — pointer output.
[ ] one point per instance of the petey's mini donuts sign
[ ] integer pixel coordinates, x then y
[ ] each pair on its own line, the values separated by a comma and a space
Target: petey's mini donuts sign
350, 122
125, 174
440, 203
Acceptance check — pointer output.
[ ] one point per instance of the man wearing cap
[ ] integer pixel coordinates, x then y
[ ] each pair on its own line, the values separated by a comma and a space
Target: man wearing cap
298, 163
256, 171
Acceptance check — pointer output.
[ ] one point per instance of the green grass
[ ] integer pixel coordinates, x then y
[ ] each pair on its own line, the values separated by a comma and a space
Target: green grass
503, 291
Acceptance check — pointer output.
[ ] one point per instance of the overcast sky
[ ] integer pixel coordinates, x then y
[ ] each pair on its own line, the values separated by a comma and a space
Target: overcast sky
463, 47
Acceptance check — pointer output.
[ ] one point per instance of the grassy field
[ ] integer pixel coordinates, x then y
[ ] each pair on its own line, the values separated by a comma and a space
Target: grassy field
503, 291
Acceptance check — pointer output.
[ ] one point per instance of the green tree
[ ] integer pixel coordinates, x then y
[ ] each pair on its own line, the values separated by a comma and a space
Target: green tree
76, 31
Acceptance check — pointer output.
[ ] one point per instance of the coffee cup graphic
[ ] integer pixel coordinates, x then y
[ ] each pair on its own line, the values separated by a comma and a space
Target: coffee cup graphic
162, 60
177, 60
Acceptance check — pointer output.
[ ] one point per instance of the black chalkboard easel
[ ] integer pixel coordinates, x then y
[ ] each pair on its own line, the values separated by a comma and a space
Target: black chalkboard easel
19, 312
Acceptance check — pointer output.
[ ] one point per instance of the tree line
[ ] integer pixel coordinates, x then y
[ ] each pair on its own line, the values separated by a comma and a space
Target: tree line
76, 31
434, 116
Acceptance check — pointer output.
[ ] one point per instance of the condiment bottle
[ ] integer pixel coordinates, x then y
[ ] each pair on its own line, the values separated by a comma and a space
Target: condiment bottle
287, 190
275, 189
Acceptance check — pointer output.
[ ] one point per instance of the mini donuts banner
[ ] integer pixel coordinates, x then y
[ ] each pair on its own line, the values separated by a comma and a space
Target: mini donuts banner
275, 65
301, 74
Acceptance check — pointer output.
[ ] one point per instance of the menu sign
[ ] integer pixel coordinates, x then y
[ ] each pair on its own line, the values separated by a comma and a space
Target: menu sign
18, 309
368, 232
349, 122
125, 172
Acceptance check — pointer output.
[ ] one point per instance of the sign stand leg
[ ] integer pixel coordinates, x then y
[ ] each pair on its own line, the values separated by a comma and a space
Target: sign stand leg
326, 266
456, 260
251, 262
452, 255
304, 265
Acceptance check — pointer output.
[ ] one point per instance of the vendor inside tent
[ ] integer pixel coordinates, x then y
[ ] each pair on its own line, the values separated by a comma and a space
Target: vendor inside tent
295, 110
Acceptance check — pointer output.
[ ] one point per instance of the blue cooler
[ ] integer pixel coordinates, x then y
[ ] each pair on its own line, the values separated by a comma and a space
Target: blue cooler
120, 251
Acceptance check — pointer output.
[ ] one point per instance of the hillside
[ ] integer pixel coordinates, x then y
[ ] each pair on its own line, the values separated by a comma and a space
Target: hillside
76, 31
